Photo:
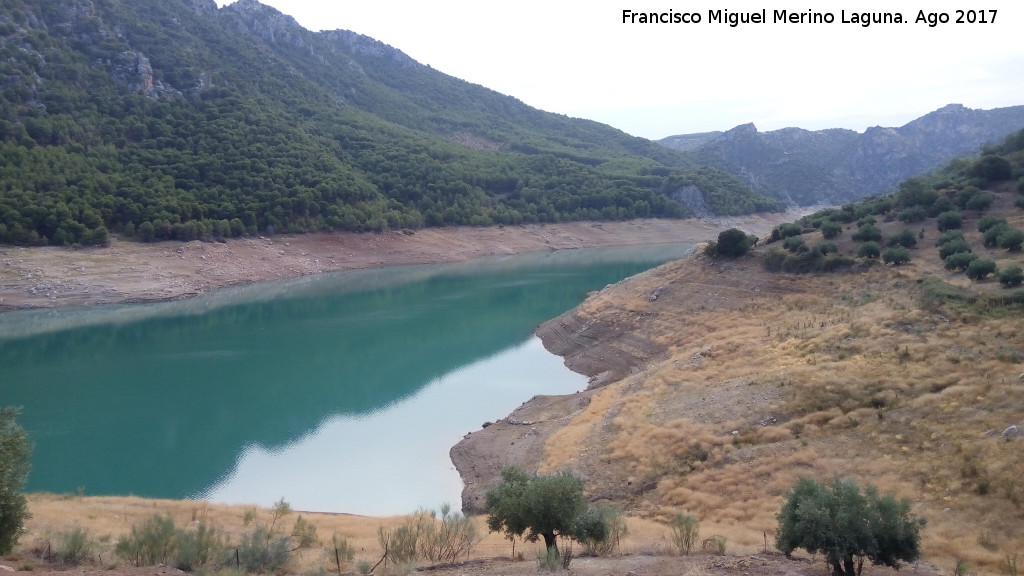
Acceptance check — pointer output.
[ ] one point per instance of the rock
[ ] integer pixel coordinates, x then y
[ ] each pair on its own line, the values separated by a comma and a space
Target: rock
1011, 432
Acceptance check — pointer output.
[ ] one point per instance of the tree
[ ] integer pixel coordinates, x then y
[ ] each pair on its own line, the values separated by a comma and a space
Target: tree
867, 233
538, 505
1012, 276
733, 242
896, 255
841, 523
869, 250
980, 268
15, 451
949, 221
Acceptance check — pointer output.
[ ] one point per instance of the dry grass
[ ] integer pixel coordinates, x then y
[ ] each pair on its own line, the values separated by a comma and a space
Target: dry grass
770, 377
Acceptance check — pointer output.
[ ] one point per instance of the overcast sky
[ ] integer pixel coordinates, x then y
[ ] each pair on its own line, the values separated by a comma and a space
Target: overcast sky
655, 80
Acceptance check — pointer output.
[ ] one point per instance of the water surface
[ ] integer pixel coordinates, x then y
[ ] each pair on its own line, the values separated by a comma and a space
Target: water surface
340, 392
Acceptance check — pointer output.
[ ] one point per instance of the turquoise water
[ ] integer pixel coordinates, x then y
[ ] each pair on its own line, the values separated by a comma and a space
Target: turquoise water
340, 392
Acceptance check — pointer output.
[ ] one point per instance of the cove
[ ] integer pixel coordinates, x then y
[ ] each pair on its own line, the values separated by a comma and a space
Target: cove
340, 392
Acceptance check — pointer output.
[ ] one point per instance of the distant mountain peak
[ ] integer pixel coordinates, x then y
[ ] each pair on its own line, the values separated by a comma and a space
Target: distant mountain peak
837, 165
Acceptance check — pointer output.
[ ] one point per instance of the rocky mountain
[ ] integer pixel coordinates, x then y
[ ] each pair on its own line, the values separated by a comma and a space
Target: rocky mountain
176, 119
806, 167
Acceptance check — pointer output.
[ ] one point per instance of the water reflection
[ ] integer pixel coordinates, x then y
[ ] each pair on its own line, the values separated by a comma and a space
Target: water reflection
160, 400
364, 464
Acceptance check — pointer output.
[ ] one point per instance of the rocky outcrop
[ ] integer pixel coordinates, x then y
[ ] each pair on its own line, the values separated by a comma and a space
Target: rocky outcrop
805, 167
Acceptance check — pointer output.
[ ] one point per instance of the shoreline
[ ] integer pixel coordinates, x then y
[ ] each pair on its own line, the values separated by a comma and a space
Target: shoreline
133, 272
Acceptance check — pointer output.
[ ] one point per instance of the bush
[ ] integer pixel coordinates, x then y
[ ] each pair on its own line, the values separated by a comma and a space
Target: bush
947, 237
960, 261
15, 451
198, 548
1011, 239
980, 269
905, 238
74, 546
867, 233
599, 530
714, 545
951, 220
979, 202
824, 248
912, 214
263, 550
839, 522
830, 229
991, 167
154, 542
446, 535
869, 250
897, 255
785, 231
990, 238
733, 243
990, 221
685, 528
1012, 276
795, 244
953, 247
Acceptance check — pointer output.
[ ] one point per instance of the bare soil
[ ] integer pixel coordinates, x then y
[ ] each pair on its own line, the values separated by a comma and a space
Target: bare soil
127, 271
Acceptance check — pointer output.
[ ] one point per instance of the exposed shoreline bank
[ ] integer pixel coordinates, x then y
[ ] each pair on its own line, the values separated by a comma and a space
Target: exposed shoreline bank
126, 272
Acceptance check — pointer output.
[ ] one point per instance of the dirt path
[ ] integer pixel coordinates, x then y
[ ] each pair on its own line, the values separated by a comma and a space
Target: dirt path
135, 272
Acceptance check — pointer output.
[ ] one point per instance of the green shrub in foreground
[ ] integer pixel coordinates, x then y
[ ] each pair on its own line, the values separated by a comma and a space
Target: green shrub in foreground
685, 529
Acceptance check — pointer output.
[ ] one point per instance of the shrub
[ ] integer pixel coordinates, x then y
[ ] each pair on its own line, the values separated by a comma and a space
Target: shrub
979, 202
599, 530
198, 548
951, 220
953, 247
685, 528
446, 535
1011, 239
263, 550
964, 195
152, 543
867, 233
74, 546
989, 221
960, 261
980, 269
868, 220
1011, 276
15, 451
785, 231
905, 238
840, 523
733, 243
824, 248
896, 255
991, 167
869, 250
830, 229
795, 244
912, 214
714, 545
990, 238
947, 237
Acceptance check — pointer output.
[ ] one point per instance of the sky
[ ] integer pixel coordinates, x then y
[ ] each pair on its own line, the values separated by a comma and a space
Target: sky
579, 59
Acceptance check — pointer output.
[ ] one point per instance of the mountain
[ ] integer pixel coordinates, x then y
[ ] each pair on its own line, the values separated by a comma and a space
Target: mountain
834, 166
162, 119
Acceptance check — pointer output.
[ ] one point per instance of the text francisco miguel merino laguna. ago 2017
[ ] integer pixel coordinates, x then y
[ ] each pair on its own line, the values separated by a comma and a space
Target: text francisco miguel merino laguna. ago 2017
865, 19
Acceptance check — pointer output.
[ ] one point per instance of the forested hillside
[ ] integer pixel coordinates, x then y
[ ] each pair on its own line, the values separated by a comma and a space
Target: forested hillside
173, 119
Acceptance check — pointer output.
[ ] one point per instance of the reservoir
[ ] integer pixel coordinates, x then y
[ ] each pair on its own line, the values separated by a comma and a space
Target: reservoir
339, 392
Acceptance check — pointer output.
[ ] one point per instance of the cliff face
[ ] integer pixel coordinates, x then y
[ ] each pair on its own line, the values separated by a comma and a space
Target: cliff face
834, 166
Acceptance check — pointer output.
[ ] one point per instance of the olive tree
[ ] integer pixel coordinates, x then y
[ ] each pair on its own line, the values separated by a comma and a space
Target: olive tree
842, 524
539, 506
15, 451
